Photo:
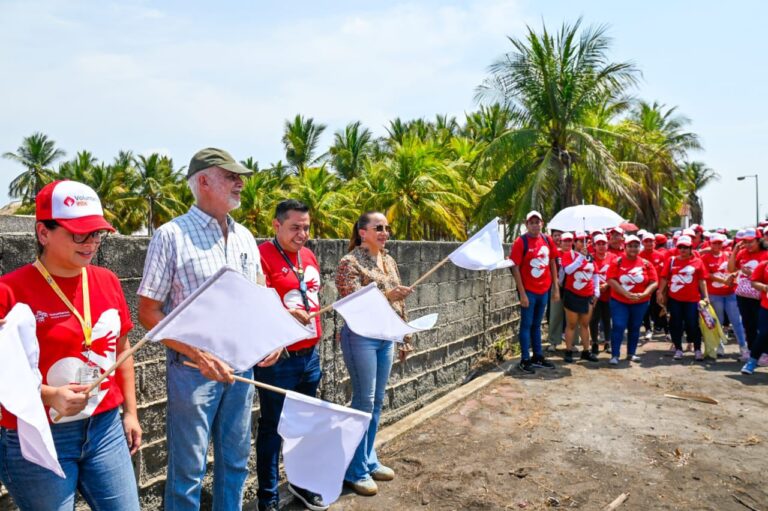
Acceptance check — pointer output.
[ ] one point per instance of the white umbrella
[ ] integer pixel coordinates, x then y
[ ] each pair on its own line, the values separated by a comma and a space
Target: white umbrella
584, 218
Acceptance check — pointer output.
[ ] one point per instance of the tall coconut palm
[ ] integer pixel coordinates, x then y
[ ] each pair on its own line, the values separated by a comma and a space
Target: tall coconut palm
300, 139
37, 153
258, 198
79, 168
549, 83
422, 195
319, 189
349, 150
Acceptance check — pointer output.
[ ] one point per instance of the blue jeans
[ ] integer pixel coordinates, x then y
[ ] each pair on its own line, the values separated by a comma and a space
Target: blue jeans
684, 316
301, 374
201, 410
729, 305
629, 317
368, 362
761, 343
530, 324
94, 456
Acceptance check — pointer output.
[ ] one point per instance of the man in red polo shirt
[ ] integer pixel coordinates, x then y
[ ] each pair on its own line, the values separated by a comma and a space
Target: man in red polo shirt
292, 270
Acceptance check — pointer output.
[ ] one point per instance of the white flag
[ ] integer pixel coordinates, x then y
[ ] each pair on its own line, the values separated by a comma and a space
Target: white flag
20, 388
368, 313
483, 251
319, 440
233, 318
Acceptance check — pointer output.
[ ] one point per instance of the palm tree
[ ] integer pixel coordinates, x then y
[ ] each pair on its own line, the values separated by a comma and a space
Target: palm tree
349, 150
37, 153
329, 209
300, 140
79, 168
550, 83
422, 192
698, 176
258, 198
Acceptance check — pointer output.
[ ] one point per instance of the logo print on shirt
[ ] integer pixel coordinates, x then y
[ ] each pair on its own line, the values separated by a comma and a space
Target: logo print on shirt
632, 278
682, 278
540, 262
41, 316
720, 272
583, 277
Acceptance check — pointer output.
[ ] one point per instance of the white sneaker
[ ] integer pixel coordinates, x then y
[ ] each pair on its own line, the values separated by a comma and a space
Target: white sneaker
744, 354
634, 358
721, 350
614, 361
649, 335
678, 355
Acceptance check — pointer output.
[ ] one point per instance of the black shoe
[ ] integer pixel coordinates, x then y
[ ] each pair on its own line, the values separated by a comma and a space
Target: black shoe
568, 356
271, 506
587, 355
607, 347
595, 348
311, 501
526, 366
540, 361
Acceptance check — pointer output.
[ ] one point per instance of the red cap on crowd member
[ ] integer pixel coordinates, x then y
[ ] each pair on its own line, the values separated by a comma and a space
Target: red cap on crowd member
749, 234
533, 214
684, 241
660, 238
73, 205
567, 236
593, 232
763, 223
600, 238
697, 228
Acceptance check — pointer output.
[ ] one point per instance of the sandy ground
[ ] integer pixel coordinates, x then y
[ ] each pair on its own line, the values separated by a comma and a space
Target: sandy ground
579, 436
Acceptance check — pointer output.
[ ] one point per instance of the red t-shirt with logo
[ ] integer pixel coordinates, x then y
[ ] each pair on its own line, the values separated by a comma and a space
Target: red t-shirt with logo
760, 274
634, 275
745, 258
280, 277
581, 281
654, 257
601, 268
616, 251
534, 265
683, 276
60, 335
717, 266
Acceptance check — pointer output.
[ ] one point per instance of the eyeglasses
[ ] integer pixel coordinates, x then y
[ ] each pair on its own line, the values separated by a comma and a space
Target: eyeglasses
96, 236
381, 228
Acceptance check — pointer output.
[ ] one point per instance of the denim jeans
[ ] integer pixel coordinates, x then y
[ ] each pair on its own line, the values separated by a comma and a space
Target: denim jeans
368, 362
727, 305
94, 455
601, 314
684, 316
761, 343
201, 410
629, 317
298, 373
530, 323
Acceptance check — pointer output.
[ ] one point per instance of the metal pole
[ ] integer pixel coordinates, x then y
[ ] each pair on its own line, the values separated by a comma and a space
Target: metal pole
757, 200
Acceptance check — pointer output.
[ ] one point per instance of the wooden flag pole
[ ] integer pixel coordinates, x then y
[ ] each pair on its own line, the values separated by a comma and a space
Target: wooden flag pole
421, 279
122, 358
246, 380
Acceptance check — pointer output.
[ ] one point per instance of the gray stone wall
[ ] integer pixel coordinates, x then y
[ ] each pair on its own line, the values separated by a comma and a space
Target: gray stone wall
476, 309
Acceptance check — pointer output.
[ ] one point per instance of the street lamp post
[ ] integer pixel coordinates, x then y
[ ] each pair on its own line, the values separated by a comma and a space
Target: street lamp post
757, 195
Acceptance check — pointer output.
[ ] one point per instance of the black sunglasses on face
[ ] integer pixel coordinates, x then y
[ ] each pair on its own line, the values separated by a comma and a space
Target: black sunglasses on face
97, 236
381, 228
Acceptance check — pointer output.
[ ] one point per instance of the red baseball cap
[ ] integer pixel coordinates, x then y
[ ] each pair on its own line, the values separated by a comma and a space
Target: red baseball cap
73, 205
660, 238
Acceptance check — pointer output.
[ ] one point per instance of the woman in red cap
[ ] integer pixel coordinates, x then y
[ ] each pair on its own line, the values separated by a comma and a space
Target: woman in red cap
687, 278
581, 290
746, 255
82, 326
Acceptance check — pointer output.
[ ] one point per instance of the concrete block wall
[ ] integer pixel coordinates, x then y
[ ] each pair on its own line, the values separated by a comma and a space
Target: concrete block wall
476, 309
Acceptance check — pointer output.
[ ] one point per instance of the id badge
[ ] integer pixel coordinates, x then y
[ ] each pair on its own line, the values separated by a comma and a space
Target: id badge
88, 374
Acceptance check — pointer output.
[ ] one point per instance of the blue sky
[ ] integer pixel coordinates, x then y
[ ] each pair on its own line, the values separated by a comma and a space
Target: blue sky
177, 76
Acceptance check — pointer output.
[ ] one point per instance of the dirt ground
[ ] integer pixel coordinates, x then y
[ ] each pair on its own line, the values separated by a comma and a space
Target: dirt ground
579, 436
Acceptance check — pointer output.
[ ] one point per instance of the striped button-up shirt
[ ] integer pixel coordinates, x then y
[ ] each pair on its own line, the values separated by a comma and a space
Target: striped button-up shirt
188, 250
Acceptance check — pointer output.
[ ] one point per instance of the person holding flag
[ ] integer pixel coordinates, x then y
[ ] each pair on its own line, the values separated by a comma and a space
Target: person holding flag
82, 322
369, 360
203, 404
535, 271
292, 270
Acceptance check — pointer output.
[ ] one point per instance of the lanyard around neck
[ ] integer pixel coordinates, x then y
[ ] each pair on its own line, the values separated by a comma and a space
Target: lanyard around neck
299, 272
85, 322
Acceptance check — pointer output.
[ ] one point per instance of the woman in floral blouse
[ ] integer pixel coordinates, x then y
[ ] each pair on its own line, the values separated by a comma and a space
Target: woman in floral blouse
369, 360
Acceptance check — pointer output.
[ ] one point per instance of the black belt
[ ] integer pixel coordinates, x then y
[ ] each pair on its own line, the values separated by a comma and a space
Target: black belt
300, 353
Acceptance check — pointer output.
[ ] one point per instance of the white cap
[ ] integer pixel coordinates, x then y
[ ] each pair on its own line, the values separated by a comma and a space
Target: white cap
649, 236
641, 233
616, 229
567, 236
532, 214
631, 239
684, 240
677, 234
599, 238
717, 238
689, 232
